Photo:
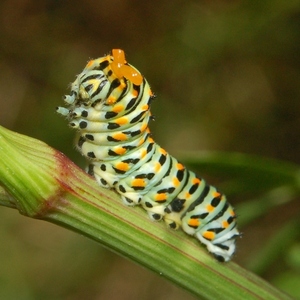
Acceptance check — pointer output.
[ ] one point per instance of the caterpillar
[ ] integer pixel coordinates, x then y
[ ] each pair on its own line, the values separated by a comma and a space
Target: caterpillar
109, 105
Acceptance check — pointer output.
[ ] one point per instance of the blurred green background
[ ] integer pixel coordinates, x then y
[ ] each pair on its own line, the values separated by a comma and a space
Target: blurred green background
226, 75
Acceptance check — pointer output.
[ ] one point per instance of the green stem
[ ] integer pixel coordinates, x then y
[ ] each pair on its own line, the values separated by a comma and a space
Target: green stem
43, 183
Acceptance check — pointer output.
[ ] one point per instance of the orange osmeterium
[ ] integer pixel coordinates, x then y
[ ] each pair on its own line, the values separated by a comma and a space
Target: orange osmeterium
122, 69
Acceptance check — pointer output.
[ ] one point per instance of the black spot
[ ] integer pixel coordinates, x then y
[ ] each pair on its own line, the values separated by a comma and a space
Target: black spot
219, 257
156, 217
130, 103
112, 126
224, 247
103, 167
103, 65
169, 190
215, 201
180, 174
134, 133
84, 113
177, 204
112, 153
89, 137
217, 230
162, 159
137, 118
83, 124
131, 161
148, 176
111, 139
81, 141
230, 220
193, 188
91, 154
91, 170
150, 147
103, 181
129, 147
96, 102
122, 189
115, 83
167, 210
119, 171
148, 204
110, 114
109, 73
138, 188
173, 225
128, 200
200, 216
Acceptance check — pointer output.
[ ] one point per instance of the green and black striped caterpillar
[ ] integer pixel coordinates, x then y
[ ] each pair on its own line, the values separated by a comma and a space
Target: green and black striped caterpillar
109, 105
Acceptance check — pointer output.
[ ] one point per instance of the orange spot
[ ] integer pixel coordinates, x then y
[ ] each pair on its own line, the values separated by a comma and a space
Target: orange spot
150, 140
151, 93
209, 208
141, 142
160, 197
157, 167
138, 182
194, 222
120, 136
122, 121
216, 195
180, 166
145, 107
144, 127
134, 93
120, 150
196, 181
231, 212
118, 108
111, 100
122, 166
208, 235
175, 181
122, 85
187, 195
162, 151
225, 224
89, 63
143, 153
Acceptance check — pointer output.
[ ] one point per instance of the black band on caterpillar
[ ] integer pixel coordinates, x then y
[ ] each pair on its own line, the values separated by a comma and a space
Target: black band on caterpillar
109, 105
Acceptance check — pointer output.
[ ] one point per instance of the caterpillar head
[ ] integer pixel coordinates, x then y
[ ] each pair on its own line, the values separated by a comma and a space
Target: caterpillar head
102, 81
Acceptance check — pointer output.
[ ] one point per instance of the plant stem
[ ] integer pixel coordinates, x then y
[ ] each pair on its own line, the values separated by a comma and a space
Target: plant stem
42, 183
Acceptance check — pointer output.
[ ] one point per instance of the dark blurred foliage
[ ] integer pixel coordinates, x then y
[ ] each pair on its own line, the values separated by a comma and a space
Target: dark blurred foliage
226, 74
